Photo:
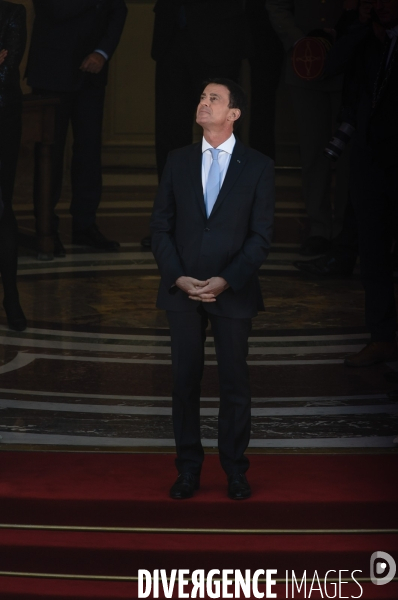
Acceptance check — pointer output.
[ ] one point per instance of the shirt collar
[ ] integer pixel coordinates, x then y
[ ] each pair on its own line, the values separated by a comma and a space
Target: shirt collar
227, 146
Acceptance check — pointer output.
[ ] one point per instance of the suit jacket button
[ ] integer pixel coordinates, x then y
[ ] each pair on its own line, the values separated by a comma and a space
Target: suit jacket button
207, 229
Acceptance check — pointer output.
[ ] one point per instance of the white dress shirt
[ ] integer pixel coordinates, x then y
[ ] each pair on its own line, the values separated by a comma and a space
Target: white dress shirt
224, 159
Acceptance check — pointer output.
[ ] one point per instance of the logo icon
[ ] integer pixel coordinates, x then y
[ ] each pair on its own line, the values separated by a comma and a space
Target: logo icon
382, 568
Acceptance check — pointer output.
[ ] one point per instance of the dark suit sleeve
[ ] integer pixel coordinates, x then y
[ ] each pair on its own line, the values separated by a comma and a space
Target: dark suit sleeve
346, 48
281, 14
256, 247
162, 228
62, 10
116, 18
14, 43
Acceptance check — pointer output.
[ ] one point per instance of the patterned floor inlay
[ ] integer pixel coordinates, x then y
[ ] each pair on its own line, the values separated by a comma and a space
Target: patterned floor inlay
92, 371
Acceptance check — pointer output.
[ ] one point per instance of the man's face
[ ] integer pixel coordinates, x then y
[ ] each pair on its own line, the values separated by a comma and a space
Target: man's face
213, 109
387, 12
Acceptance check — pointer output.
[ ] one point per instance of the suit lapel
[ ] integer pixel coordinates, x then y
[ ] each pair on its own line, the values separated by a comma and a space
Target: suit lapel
196, 175
383, 74
235, 168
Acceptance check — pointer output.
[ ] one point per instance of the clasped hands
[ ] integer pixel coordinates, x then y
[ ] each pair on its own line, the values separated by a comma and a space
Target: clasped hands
203, 291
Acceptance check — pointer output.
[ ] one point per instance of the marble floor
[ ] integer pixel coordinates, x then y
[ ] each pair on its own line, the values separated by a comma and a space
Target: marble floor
92, 371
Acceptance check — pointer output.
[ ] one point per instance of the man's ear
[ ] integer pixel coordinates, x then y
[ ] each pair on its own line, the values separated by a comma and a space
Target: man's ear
234, 114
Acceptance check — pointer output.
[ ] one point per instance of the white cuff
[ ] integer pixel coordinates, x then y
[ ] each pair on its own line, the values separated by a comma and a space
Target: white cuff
104, 54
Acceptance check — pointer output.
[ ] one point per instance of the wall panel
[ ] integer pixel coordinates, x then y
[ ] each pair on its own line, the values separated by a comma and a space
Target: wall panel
130, 107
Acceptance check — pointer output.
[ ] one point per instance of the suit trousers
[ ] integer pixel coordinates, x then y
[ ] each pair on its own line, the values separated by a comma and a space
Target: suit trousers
266, 61
264, 78
188, 335
178, 85
83, 109
316, 113
375, 198
10, 138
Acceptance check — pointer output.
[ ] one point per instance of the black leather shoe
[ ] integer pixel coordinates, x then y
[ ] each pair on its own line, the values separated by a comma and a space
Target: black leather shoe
184, 487
373, 354
95, 239
326, 266
15, 316
315, 244
146, 242
238, 487
59, 250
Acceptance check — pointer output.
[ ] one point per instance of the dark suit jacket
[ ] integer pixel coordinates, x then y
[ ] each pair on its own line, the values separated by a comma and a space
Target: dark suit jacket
376, 126
64, 33
232, 243
216, 29
294, 19
13, 39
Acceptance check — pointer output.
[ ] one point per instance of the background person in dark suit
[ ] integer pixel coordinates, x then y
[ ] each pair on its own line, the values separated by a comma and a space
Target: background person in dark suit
211, 231
373, 47
193, 40
12, 47
316, 104
72, 43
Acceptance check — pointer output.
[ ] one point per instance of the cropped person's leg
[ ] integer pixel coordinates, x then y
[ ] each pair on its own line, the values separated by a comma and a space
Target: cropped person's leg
264, 78
373, 206
58, 151
314, 120
341, 259
374, 198
10, 136
340, 198
9, 253
86, 173
173, 120
265, 70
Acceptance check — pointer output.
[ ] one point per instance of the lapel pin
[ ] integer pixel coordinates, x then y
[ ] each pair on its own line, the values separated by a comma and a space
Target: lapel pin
238, 161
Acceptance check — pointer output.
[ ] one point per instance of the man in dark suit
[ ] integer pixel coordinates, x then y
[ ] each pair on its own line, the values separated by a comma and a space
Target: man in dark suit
316, 104
72, 43
211, 231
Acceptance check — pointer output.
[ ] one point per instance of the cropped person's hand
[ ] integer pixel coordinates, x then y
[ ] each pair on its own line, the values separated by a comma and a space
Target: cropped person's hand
3, 56
190, 285
93, 63
209, 293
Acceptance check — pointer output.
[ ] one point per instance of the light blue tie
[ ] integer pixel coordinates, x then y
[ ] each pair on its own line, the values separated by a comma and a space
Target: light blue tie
213, 182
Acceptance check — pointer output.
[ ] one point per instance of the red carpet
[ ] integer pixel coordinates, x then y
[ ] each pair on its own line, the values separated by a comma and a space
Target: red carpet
17, 589
303, 492
122, 554
131, 490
